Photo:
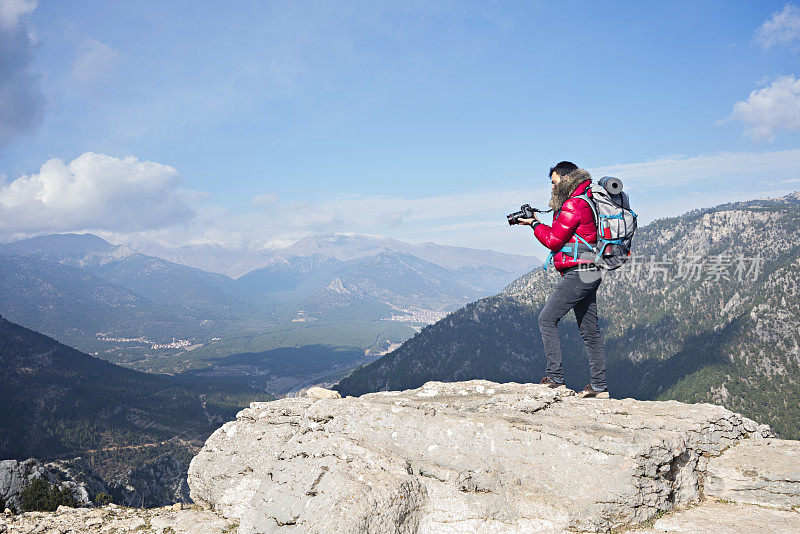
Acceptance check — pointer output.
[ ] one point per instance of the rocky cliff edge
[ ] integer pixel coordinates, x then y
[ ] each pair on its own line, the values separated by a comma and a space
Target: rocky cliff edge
479, 456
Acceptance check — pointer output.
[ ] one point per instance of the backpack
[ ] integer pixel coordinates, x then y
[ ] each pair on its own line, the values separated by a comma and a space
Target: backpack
616, 224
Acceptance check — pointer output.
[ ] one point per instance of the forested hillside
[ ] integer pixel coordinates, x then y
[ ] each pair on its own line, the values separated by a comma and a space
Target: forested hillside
59, 402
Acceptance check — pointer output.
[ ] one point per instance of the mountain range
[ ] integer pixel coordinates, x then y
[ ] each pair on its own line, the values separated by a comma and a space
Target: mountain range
115, 302
477, 271
236, 261
152, 314
708, 310
153, 278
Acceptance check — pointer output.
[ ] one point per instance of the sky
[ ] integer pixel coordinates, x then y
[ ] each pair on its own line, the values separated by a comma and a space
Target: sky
255, 123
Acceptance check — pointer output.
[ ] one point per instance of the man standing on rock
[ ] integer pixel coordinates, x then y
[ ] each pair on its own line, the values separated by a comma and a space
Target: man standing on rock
580, 278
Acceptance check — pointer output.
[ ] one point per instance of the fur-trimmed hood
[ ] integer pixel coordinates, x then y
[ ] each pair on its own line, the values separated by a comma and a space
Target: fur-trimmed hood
567, 186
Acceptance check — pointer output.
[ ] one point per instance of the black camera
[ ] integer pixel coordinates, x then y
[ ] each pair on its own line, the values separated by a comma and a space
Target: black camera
525, 212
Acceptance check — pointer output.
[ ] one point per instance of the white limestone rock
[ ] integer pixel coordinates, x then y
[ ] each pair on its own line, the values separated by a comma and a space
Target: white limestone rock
765, 472
453, 457
321, 393
727, 518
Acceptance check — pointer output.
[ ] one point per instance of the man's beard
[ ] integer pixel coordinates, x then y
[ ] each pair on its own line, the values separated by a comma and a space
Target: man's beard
566, 186
561, 192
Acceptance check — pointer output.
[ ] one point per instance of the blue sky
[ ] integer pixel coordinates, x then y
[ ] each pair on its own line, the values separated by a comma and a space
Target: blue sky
255, 123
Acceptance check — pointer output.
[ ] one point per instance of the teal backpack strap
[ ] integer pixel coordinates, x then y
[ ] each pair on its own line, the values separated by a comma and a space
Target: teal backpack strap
584, 242
572, 248
549, 260
569, 248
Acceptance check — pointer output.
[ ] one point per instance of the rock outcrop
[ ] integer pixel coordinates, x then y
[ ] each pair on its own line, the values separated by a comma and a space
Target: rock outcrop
317, 392
153, 484
76, 475
472, 456
158, 483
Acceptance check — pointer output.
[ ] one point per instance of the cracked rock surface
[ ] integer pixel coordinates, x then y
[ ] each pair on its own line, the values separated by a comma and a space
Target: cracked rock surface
728, 518
757, 472
472, 456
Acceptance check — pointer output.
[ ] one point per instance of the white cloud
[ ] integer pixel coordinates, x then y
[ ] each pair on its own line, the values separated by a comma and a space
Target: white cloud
94, 61
770, 110
13, 10
782, 28
724, 167
93, 192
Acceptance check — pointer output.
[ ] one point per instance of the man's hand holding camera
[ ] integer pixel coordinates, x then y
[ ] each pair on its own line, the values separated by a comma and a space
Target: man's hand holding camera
526, 216
529, 222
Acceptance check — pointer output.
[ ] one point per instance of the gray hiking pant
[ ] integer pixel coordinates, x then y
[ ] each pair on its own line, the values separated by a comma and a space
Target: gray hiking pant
577, 291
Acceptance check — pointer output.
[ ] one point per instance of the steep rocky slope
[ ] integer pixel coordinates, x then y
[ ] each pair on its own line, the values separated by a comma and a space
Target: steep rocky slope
708, 310
148, 485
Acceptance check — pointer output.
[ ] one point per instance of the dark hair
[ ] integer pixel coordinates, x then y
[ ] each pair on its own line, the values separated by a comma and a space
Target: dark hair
563, 168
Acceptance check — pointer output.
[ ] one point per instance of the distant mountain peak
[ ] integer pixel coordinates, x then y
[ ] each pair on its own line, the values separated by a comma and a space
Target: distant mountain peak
60, 246
337, 286
69, 239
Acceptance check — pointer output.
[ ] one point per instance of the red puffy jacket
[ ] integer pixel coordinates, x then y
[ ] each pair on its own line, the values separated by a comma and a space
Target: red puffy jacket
574, 217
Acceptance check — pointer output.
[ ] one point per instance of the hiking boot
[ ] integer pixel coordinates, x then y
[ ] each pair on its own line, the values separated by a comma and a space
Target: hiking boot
547, 381
590, 393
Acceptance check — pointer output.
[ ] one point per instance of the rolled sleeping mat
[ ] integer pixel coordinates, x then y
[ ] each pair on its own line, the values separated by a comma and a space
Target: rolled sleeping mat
611, 184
